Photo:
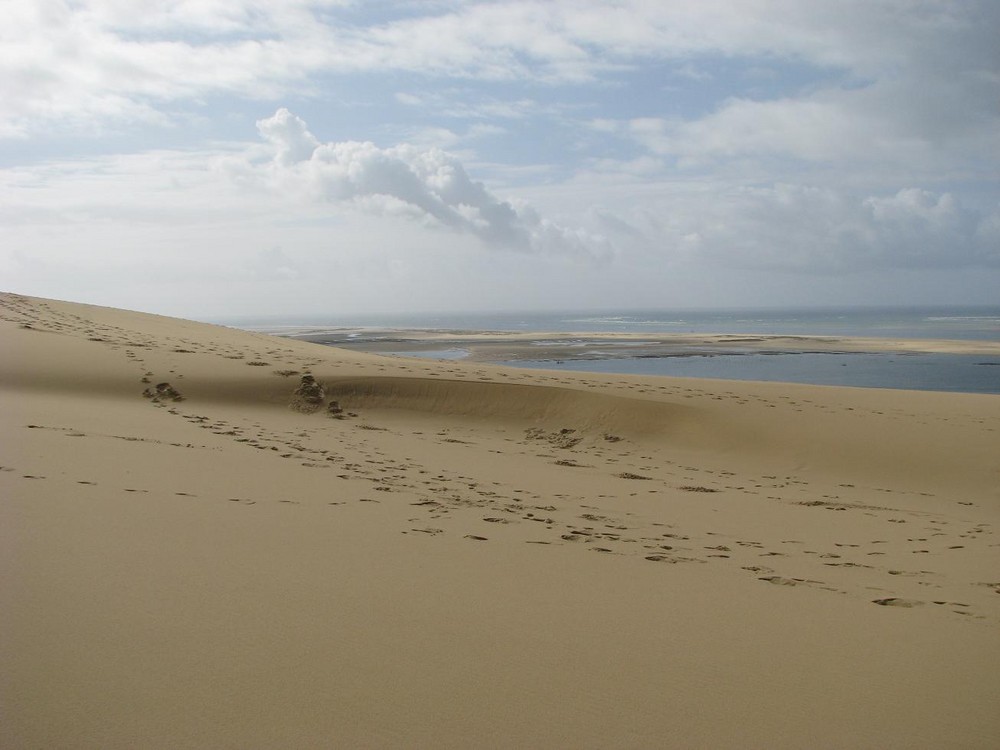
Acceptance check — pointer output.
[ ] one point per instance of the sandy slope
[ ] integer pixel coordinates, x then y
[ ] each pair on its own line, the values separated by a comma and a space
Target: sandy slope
475, 556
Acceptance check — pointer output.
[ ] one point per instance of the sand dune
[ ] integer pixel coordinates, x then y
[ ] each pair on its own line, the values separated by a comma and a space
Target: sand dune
196, 551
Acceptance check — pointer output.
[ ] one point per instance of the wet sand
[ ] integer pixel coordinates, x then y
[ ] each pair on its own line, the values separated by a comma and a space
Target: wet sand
504, 346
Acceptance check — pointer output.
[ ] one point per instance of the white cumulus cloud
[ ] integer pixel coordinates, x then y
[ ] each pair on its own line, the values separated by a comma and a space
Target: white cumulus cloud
424, 183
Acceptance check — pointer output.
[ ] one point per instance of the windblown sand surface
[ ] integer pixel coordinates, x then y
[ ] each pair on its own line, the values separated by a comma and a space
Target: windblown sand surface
469, 556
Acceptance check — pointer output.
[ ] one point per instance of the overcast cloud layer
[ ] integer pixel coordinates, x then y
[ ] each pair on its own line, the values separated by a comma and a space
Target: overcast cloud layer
209, 158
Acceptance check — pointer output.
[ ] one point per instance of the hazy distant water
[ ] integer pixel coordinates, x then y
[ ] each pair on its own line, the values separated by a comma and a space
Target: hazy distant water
976, 323
943, 372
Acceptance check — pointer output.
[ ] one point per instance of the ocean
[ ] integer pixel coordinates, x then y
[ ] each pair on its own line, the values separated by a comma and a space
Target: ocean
936, 372
965, 323
957, 373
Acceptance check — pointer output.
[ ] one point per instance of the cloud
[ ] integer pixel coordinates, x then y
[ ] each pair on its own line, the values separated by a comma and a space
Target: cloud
273, 264
810, 229
899, 130
289, 135
927, 229
425, 184
909, 92
106, 60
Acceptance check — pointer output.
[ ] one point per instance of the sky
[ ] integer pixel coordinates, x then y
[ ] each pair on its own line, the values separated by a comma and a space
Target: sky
222, 158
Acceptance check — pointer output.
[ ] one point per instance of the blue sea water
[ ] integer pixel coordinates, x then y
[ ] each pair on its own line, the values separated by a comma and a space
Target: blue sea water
943, 372
958, 373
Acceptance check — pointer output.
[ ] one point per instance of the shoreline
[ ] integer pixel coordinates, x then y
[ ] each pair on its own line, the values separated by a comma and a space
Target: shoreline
930, 365
496, 346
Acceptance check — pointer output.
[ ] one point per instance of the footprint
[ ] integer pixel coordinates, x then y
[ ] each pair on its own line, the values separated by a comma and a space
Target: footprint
671, 559
779, 581
893, 601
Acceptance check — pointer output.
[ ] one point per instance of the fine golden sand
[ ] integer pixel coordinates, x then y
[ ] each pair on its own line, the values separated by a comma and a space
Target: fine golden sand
462, 555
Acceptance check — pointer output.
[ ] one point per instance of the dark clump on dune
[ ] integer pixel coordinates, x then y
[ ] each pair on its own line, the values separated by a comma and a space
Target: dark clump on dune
564, 438
309, 396
163, 392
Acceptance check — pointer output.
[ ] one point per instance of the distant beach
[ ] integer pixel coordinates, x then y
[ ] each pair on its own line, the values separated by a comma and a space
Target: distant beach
935, 349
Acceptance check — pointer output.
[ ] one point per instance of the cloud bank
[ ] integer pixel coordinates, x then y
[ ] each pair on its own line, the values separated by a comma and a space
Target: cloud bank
428, 185
849, 145
788, 227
